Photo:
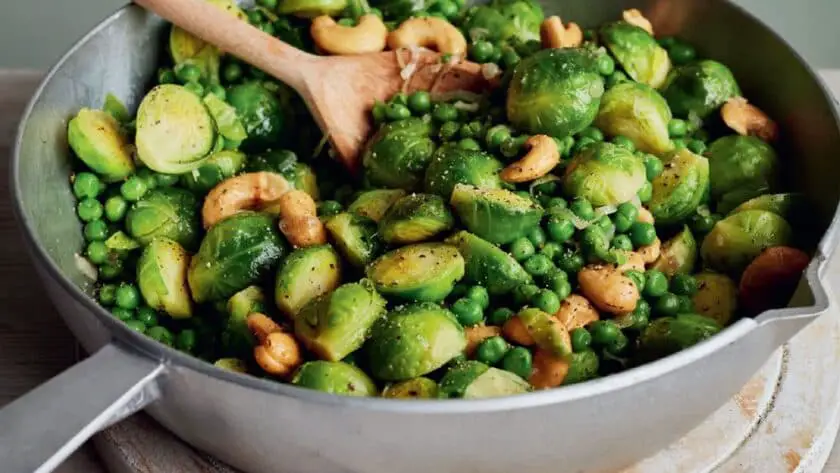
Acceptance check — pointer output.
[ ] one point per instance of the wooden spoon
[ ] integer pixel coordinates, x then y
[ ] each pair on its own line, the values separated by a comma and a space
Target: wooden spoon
339, 90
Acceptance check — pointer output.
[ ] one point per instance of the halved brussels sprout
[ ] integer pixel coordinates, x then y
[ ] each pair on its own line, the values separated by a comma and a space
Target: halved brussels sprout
502, 20
375, 203
699, 88
669, 335
336, 324
235, 253
356, 237
680, 188
334, 377
736, 240
119, 241
284, 162
716, 297
237, 337
218, 167
415, 218
496, 215
425, 272
638, 112
306, 274
547, 331
604, 174
264, 115
166, 212
452, 165
583, 366
741, 167
488, 265
555, 92
186, 48
415, 388
114, 107
96, 139
413, 341
677, 255
398, 154
224, 115
311, 8
475, 380
162, 278
787, 206
637, 52
175, 132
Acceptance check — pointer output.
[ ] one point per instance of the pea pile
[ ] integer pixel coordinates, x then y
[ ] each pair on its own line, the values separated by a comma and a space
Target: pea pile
611, 201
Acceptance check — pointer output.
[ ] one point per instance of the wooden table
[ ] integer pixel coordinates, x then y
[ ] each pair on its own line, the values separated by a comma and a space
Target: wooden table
34, 343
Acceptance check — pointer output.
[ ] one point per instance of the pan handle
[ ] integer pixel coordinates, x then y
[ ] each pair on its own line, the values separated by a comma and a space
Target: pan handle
42, 428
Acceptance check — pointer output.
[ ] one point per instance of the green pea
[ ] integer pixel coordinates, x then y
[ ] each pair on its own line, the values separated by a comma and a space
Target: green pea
467, 311
594, 242
166, 180
642, 234
686, 305
646, 192
679, 143
556, 204
122, 313
589, 34
328, 208
668, 305
232, 72
581, 340
629, 210
570, 261
592, 133
254, 17
379, 112
270, 4
481, 51
166, 76
499, 316
551, 250
683, 285
510, 58
682, 53
115, 208
667, 42
605, 224
638, 319
583, 209
604, 332
677, 128
538, 265
479, 295
186, 340
618, 345
547, 301
637, 277
87, 185
448, 130
653, 167
523, 293
186, 73
397, 111
89, 210
218, 91
547, 188
513, 146
111, 270
621, 242
97, 252
616, 78
136, 325
96, 230
521, 249
148, 177
449, 9
471, 130
127, 296
497, 135
606, 65
703, 224
420, 102
491, 350
537, 237
133, 189
624, 142
107, 294
148, 316
656, 283
518, 360
560, 229
581, 144
697, 146
399, 98
161, 334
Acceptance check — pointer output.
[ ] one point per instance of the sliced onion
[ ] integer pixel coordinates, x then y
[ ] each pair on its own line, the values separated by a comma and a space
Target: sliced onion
605, 210
86, 267
462, 95
490, 71
703, 211
636, 201
694, 121
466, 106
541, 181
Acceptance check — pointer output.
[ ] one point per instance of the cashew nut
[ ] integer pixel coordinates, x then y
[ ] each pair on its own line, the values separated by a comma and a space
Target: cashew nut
650, 253
247, 191
645, 216
515, 331
576, 312
748, 120
299, 220
548, 370
635, 17
477, 334
542, 157
278, 352
368, 36
635, 262
608, 289
555, 35
428, 32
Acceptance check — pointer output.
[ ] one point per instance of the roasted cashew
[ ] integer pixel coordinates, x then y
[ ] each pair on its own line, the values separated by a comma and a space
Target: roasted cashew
548, 370
555, 35
515, 331
650, 253
477, 334
748, 120
278, 353
369, 36
635, 17
635, 262
542, 157
299, 220
608, 289
428, 32
645, 216
576, 312
247, 191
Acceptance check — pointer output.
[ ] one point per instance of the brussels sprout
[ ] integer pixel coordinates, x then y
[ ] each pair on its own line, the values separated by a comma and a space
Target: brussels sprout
166, 212
311, 8
415, 218
398, 154
415, 388
475, 380
96, 139
699, 88
425, 272
336, 324
162, 277
235, 253
218, 167
452, 165
736, 240
547, 331
356, 237
413, 341
677, 255
114, 107
374, 204
502, 20
488, 265
669, 335
555, 92
264, 115
638, 112
306, 274
285, 163
186, 48
496, 215
680, 188
334, 377
175, 132
716, 297
787, 206
741, 168
224, 115
604, 174
637, 52
583, 366
237, 337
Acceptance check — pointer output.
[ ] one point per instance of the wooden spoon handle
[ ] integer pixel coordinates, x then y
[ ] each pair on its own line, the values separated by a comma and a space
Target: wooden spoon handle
235, 36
